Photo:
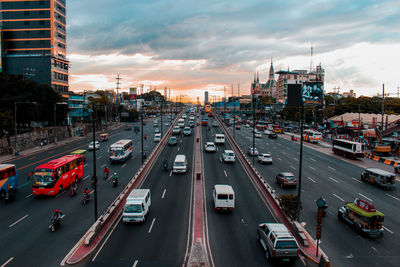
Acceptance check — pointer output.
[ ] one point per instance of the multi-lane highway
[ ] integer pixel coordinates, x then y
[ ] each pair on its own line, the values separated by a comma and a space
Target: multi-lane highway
25, 237
337, 180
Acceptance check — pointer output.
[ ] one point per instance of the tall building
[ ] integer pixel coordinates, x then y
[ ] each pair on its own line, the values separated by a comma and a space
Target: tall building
33, 41
206, 98
269, 88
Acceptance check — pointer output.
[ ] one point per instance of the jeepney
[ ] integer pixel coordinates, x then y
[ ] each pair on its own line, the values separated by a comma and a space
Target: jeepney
379, 177
363, 217
81, 152
103, 137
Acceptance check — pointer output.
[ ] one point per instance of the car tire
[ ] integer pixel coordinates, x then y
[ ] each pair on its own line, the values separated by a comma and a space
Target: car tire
267, 256
258, 236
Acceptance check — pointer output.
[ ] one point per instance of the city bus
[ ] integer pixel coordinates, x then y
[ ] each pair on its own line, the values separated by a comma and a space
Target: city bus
348, 149
8, 178
207, 108
312, 136
120, 151
54, 176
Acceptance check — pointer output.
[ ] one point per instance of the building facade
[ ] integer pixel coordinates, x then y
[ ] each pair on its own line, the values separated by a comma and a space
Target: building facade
206, 98
33, 41
286, 78
269, 88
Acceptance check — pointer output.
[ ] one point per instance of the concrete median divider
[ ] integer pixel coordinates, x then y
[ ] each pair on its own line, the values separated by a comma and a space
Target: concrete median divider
296, 228
95, 234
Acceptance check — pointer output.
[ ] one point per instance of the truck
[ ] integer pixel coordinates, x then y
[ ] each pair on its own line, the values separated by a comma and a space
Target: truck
137, 205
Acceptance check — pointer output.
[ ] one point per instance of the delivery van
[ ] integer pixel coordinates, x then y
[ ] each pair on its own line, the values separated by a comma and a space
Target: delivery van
137, 205
219, 139
224, 197
180, 164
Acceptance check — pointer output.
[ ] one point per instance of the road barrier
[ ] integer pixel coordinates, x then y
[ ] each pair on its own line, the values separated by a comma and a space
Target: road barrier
95, 234
296, 228
381, 159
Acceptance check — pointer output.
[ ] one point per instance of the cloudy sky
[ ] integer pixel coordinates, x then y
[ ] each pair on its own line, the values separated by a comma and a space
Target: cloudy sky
194, 46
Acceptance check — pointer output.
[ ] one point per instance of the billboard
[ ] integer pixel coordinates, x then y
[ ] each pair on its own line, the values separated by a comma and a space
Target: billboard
312, 93
294, 95
132, 93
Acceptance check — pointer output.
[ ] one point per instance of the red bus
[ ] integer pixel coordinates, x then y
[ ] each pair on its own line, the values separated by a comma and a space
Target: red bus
54, 176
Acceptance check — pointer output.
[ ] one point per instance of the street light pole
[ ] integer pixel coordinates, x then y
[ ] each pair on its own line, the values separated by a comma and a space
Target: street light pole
16, 134
300, 162
94, 178
141, 119
254, 127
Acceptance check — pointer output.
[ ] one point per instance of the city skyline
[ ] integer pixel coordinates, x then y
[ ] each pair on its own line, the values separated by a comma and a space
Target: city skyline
192, 48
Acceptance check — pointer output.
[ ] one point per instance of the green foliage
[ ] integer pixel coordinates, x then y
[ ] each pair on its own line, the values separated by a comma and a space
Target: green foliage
289, 205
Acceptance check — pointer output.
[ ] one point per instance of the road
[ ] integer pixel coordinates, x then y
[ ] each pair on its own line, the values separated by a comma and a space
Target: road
25, 221
336, 180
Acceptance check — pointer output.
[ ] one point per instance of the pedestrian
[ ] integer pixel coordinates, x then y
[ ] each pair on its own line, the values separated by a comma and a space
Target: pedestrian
45, 141
41, 144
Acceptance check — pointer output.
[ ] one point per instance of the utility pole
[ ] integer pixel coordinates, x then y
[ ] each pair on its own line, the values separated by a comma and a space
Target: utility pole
15, 124
94, 178
234, 114
300, 162
254, 127
383, 104
117, 102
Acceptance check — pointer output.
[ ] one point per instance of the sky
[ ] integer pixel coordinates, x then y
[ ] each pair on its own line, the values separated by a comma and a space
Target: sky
195, 46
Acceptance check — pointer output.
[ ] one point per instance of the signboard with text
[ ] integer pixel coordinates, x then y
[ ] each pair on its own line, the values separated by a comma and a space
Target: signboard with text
312, 94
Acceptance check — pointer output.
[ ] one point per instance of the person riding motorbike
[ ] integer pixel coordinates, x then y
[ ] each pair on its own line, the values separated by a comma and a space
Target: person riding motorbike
165, 164
86, 193
106, 172
115, 179
74, 186
145, 137
57, 215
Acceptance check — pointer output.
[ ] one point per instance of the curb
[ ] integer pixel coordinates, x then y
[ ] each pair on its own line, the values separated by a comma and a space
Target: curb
381, 159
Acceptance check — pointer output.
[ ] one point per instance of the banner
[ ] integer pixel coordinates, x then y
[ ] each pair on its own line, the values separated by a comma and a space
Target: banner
313, 94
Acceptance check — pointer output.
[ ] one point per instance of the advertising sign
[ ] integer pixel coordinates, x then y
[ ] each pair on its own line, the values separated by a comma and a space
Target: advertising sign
132, 93
313, 94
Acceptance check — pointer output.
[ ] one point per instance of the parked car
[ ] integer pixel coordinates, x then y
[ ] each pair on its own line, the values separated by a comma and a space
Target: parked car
187, 131
172, 141
228, 156
97, 145
264, 158
273, 135
285, 179
176, 130
277, 242
210, 147
252, 152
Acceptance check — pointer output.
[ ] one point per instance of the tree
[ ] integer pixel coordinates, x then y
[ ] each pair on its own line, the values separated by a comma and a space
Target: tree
289, 205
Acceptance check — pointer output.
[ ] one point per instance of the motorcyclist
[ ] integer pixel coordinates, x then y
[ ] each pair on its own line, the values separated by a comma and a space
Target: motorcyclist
74, 186
106, 171
115, 177
165, 164
86, 193
57, 215
145, 137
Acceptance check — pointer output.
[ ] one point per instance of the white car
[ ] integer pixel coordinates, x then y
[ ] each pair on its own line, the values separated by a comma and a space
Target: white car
184, 116
257, 134
97, 145
267, 132
228, 156
247, 125
191, 118
157, 137
210, 147
176, 130
264, 158
156, 130
215, 124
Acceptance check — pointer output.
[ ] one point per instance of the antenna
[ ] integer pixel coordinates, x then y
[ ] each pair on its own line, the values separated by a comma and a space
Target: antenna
118, 83
312, 52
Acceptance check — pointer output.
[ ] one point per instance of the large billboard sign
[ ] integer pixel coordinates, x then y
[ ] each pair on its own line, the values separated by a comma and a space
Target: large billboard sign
132, 93
312, 93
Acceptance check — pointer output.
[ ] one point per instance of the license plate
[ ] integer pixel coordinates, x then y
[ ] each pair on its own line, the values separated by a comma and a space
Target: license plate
41, 187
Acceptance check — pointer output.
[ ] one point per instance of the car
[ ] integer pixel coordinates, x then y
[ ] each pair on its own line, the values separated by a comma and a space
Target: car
191, 117
237, 127
184, 116
172, 141
157, 137
228, 156
166, 124
286, 179
128, 127
264, 158
277, 241
272, 135
257, 134
267, 132
97, 145
191, 124
210, 147
251, 152
215, 124
176, 130
247, 125
187, 131
156, 130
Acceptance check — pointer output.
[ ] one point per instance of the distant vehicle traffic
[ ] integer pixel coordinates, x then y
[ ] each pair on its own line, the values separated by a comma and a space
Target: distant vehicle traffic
176, 130
219, 139
120, 151
181, 123
204, 121
312, 136
54, 176
191, 124
128, 127
180, 164
348, 149
257, 134
215, 123
272, 135
187, 131
103, 137
81, 152
96, 146
157, 137
252, 152
172, 141
265, 158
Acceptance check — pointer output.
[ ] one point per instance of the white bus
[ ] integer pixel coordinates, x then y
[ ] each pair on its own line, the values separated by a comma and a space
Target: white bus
348, 149
121, 150
312, 136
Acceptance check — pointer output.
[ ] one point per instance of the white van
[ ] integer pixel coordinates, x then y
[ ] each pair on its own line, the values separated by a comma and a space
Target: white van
181, 123
157, 137
224, 197
180, 164
219, 139
137, 205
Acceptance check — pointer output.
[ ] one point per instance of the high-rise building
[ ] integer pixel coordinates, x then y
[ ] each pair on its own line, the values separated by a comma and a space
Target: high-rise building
33, 41
206, 98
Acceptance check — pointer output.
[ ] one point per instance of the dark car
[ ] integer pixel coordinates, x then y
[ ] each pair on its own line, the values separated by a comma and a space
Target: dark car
273, 135
286, 179
237, 127
128, 127
172, 141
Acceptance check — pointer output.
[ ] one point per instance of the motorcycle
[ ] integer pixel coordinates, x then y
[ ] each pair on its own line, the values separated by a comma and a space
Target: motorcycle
106, 175
9, 196
165, 165
86, 198
324, 210
73, 190
294, 138
115, 181
55, 223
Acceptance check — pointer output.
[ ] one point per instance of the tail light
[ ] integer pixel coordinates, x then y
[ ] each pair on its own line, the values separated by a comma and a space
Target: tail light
298, 252
274, 252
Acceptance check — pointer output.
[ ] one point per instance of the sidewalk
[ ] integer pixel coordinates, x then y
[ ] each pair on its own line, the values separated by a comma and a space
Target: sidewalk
33, 150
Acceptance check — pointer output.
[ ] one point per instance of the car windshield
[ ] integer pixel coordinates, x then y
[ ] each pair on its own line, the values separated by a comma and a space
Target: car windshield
116, 152
222, 196
230, 154
179, 164
289, 177
43, 179
133, 208
282, 244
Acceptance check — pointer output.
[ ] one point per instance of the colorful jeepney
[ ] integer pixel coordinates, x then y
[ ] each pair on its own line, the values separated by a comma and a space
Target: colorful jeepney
363, 217
81, 152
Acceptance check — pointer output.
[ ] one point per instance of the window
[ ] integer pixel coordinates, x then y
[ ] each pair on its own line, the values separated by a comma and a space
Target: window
41, 22
26, 22
26, 13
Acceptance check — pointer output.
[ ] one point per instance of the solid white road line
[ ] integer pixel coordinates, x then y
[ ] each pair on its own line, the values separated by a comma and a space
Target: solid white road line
7, 262
365, 197
333, 169
387, 229
85, 177
163, 194
178, 148
312, 159
151, 226
105, 241
312, 168
11, 225
226, 175
99, 157
336, 181
311, 179
170, 173
124, 165
28, 195
356, 180
338, 197
135, 263
393, 197
292, 167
